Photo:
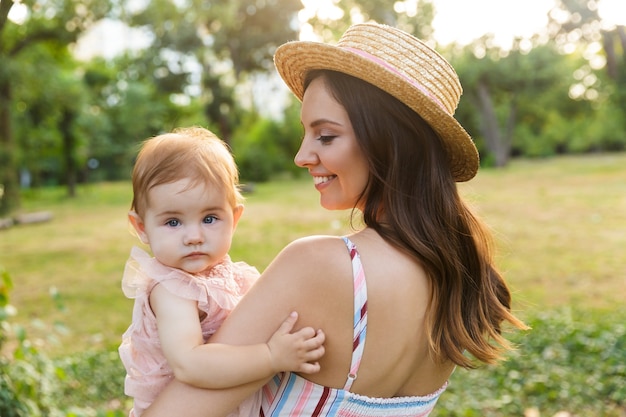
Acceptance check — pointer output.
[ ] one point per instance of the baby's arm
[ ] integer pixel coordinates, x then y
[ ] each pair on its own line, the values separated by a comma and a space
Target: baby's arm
219, 365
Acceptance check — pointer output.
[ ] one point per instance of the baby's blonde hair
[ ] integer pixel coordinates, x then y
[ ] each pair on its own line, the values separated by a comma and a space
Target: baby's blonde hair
194, 153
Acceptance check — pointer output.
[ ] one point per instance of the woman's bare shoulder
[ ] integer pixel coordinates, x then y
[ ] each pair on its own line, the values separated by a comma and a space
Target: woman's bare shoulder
320, 259
316, 241
314, 248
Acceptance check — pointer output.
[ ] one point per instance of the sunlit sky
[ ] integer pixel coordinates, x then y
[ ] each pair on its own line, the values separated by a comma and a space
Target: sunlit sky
459, 21
462, 21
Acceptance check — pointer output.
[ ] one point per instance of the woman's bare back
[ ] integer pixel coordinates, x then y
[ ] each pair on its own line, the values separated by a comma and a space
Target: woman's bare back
396, 360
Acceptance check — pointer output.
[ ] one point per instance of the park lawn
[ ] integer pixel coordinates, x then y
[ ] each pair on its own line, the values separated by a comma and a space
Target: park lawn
559, 226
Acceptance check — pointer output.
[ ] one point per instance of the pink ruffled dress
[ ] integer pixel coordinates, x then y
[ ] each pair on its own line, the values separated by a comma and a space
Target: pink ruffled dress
217, 292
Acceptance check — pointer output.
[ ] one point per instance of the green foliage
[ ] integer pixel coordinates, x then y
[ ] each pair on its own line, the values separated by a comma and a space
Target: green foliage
50, 102
51, 27
570, 361
602, 133
212, 48
413, 17
33, 385
28, 379
93, 379
266, 147
126, 108
256, 151
516, 102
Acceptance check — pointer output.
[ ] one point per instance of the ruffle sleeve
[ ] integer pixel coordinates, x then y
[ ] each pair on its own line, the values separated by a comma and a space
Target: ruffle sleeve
224, 284
135, 281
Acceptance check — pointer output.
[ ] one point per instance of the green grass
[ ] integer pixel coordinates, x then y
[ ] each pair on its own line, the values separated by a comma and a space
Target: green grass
560, 227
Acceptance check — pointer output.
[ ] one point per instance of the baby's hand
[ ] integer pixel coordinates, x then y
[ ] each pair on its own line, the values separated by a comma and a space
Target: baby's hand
296, 352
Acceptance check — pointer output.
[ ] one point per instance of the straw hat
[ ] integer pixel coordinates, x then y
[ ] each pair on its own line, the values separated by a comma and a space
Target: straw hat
399, 64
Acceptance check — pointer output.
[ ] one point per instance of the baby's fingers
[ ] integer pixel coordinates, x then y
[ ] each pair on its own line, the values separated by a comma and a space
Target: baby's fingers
310, 337
315, 348
287, 325
315, 354
315, 340
310, 368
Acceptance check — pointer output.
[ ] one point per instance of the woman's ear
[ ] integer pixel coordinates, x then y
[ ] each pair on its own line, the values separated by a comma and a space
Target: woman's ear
139, 226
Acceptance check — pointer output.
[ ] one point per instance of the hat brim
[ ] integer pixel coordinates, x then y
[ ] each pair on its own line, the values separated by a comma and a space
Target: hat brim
294, 59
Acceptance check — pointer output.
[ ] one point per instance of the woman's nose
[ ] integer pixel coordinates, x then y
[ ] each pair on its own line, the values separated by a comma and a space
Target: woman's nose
305, 156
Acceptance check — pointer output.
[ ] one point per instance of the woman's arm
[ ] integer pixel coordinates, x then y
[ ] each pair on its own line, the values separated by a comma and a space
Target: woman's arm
301, 276
179, 399
220, 365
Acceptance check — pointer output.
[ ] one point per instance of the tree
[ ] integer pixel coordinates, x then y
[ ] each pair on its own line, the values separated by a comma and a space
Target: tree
51, 101
501, 87
578, 22
57, 22
222, 43
126, 107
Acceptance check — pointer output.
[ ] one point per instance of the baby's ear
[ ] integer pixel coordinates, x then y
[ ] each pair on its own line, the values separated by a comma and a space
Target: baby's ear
237, 212
139, 226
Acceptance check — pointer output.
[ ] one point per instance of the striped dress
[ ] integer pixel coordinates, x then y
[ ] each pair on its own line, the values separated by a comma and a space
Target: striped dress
288, 394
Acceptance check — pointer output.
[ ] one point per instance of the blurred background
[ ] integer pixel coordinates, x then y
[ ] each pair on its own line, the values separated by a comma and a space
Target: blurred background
83, 82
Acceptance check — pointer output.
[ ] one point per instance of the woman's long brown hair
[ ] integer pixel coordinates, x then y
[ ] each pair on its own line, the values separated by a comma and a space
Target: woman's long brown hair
412, 201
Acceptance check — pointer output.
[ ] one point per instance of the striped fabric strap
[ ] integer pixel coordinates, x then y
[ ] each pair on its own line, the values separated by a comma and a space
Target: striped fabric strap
360, 313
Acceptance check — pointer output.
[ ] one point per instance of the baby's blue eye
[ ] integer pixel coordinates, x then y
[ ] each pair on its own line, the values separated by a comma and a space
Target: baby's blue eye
173, 222
210, 219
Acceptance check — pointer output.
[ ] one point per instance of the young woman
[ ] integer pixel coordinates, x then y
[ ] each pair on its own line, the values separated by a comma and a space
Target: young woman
406, 297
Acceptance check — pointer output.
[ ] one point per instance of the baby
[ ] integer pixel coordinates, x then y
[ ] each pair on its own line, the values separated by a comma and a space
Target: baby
186, 206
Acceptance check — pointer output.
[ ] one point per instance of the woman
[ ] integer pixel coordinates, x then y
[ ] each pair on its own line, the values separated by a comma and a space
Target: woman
402, 299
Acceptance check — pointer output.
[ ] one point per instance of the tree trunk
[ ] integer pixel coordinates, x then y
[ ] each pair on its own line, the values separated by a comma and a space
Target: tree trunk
621, 33
507, 140
68, 152
9, 186
609, 49
496, 143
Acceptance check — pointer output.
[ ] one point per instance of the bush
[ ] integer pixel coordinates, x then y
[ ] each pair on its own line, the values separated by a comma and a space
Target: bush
265, 148
28, 377
567, 362
33, 385
95, 378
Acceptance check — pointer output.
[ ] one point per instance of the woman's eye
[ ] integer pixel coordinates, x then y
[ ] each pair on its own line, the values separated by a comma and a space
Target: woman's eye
326, 139
173, 223
210, 219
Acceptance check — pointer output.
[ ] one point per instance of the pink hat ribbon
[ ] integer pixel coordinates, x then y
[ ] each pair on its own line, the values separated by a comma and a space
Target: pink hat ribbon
382, 63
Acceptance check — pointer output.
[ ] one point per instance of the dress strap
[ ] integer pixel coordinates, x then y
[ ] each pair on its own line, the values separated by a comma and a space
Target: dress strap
360, 312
